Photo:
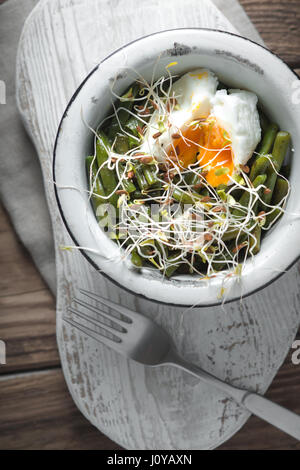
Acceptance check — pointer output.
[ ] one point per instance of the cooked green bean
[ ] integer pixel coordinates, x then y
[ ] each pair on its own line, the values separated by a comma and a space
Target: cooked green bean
280, 148
133, 124
286, 170
126, 182
230, 235
147, 247
172, 266
224, 259
268, 139
280, 191
141, 179
121, 144
136, 259
134, 127
245, 198
185, 198
192, 178
254, 242
150, 175
108, 176
137, 195
260, 166
220, 261
123, 114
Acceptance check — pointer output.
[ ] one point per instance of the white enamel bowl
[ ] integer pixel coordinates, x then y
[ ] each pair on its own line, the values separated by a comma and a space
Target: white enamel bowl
239, 63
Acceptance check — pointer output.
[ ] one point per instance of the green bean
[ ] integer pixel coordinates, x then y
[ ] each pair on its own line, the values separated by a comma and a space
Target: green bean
128, 185
230, 235
280, 191
121, 144
220, 261
286, 170
260, 166
134, 139
137, 195
184, 197
254, 242
245, 198
192, 178
204, 192
147, 247
108, 176
141, 179
280, 148
95, 182
225, 258
133, 123
136, 259
268, 139
126, 182
150, 175
172, 266
222, 187
123, 114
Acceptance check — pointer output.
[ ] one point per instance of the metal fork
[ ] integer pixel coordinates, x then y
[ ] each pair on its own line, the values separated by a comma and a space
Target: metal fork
140, 339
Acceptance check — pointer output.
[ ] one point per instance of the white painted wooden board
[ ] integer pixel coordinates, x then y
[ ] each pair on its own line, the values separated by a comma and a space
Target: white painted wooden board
244, 343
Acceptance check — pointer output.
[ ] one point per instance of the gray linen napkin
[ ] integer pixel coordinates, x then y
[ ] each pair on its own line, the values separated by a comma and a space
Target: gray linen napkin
21, 186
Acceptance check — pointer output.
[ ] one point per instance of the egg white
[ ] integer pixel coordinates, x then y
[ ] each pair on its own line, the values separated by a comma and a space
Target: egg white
236, 112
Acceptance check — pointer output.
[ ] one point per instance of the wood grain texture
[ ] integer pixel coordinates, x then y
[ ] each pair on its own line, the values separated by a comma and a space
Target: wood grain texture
27, 325
45, 417
78, 433
18, 273
278, 22
138, 407
27, 308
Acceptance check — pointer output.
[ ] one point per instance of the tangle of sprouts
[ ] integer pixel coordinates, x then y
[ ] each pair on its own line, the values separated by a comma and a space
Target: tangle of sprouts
171, 226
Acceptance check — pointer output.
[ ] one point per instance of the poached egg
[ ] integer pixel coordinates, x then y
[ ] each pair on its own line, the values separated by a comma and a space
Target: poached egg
215, 129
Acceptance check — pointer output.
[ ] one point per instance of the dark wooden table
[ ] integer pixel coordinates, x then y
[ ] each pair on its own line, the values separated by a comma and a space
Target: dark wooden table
36, 410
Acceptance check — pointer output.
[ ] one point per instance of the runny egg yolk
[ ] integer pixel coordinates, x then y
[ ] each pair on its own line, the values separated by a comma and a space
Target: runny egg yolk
208, 143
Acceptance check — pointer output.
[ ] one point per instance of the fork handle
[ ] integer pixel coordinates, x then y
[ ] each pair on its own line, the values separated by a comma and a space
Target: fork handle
280, 417
274, 414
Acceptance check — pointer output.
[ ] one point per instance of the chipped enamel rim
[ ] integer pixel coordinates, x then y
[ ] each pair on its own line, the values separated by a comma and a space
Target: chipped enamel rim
240, 63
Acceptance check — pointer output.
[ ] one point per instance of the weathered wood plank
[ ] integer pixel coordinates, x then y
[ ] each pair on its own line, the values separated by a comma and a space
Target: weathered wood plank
246, 345
278, 21
45, 417
27, 325
27, 308
17, 271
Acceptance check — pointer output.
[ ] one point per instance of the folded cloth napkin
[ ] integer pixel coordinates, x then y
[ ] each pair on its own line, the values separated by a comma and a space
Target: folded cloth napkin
21, 186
